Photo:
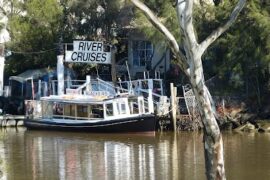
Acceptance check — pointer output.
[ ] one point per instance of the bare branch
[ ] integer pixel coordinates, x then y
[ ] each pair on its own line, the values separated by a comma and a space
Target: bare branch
215, 34
172, 41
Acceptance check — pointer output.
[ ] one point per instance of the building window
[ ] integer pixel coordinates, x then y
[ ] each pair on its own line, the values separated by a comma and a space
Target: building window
142, 53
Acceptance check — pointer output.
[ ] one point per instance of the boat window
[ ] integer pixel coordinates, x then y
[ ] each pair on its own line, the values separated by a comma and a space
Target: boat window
109, 109
145, 104
69, 110
57, 109
122, 107
97, 111
141, 106
47, 109
82, 111
133, 106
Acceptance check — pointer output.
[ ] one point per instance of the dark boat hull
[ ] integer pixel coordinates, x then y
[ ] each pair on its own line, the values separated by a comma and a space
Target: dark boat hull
146, 123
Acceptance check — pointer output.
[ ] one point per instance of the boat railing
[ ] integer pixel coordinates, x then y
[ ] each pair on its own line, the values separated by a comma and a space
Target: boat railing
145, 92
134, 85
80, 85
81, 88
68, 84
105, 86
121, 90
160, 102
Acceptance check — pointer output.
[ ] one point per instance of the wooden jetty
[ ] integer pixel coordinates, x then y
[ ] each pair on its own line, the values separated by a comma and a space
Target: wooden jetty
9, 120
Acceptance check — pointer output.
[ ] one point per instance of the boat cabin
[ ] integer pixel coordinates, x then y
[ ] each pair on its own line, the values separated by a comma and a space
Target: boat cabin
83, 108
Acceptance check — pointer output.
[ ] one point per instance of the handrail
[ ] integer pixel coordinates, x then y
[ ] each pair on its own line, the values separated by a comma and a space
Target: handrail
108, 86
83, 86
105, 82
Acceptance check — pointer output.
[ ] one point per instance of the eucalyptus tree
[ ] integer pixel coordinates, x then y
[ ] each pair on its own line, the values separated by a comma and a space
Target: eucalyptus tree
34, 27
189, 58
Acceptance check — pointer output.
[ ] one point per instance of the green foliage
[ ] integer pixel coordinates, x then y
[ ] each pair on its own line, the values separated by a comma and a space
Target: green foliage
33, 32
85, 18
241, 56
166, 12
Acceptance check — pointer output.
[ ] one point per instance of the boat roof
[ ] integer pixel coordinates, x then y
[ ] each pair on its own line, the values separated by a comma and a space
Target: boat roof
82, 99
75, 99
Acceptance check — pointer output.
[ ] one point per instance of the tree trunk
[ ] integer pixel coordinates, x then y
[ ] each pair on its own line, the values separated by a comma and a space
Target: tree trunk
213, 143
214, 157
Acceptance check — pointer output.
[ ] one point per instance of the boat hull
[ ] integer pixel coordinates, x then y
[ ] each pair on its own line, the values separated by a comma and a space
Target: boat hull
146, 123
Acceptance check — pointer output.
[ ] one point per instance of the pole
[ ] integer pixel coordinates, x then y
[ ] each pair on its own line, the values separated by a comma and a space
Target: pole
113, 68
4, 37
60, 53
150, 101
60, 74
33, 89
39, 89
88, 81
60, 68
173, 105
130, 84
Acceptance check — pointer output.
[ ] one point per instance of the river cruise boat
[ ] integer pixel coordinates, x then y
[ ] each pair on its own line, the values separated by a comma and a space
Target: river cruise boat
98, 113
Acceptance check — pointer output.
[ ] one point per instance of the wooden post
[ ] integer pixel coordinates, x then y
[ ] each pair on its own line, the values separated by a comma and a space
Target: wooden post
150, 101
173, 100
88, 81
223, 106
150, 84
33, 89
113, 68
39, 89
45, 90
53, 88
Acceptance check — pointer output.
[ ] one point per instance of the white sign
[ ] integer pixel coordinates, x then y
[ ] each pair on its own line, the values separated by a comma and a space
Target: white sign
88, 52
97, 93
72, 91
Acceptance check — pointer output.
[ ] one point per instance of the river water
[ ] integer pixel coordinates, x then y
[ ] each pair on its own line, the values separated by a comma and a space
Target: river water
63, 155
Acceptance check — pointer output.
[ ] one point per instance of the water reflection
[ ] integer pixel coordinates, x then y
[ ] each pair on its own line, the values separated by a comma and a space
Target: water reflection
107, 156
59, 155
56, 155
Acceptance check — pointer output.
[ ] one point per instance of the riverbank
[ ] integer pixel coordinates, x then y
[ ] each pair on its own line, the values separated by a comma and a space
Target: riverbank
258, 126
